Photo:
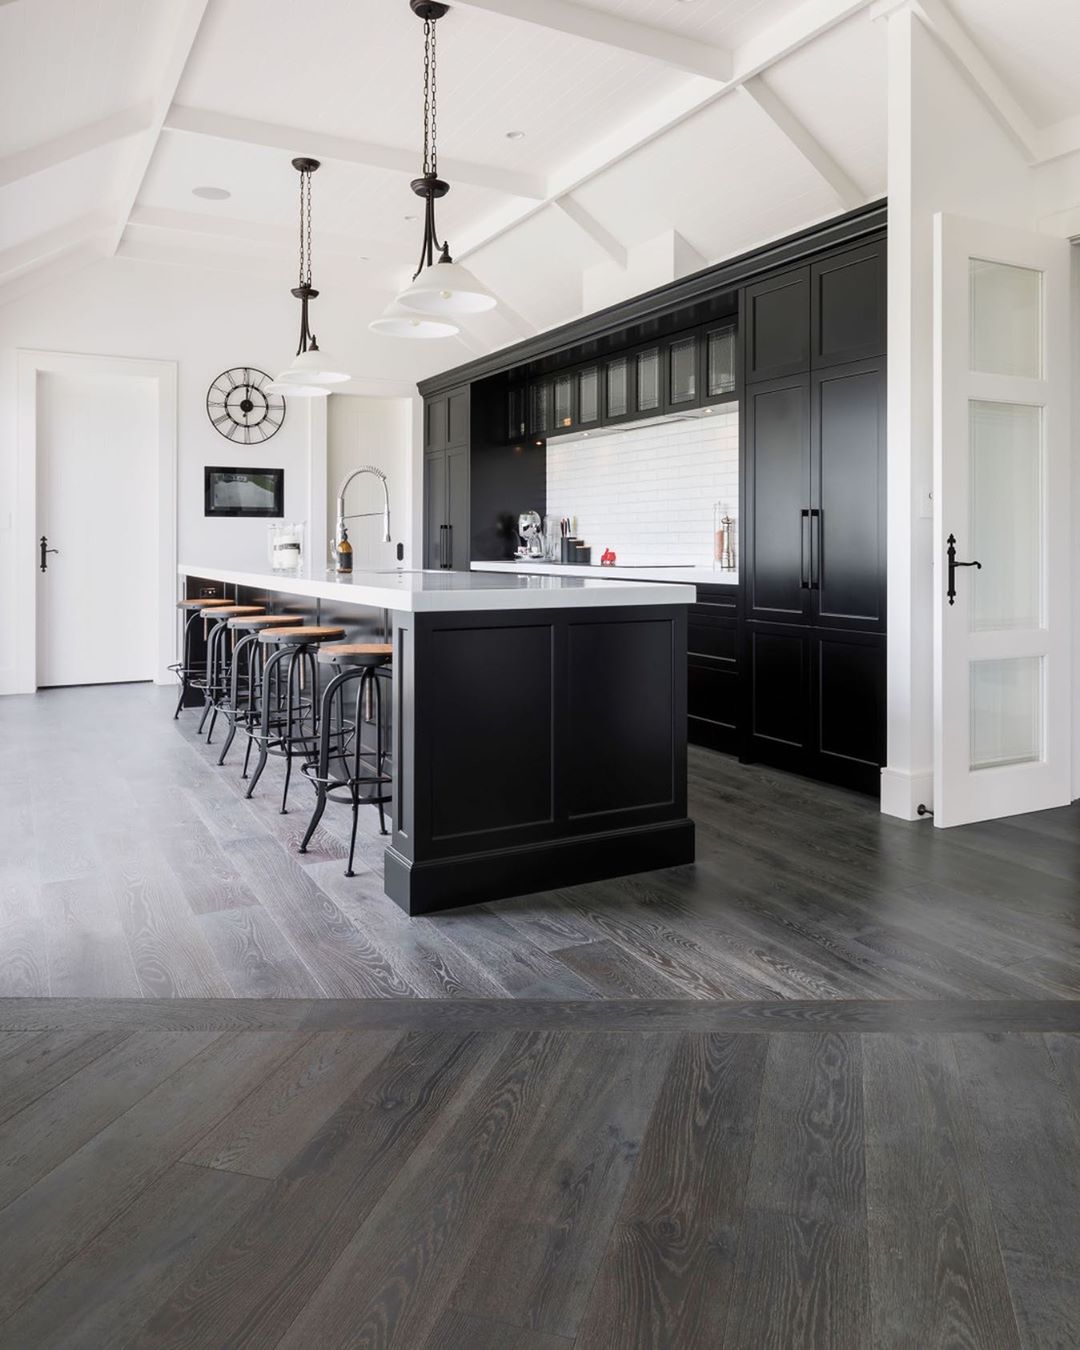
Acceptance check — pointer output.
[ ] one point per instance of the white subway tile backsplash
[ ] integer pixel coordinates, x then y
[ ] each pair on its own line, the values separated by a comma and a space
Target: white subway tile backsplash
649, 493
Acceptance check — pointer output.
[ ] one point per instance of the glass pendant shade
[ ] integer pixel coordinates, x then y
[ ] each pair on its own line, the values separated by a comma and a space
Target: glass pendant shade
397, 321
312, 367
446, 288
293, 390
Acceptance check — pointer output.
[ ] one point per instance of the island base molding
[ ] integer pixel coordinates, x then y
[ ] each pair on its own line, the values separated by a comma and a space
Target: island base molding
447, 883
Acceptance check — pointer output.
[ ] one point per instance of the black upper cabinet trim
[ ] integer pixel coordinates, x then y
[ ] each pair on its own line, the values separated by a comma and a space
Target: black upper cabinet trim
698, 288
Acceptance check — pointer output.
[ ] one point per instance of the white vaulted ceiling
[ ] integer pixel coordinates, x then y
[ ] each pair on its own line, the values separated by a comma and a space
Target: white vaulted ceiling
728, 121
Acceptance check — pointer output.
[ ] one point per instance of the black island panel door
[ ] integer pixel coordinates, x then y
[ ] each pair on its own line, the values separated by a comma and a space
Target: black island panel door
847, 437
778, 526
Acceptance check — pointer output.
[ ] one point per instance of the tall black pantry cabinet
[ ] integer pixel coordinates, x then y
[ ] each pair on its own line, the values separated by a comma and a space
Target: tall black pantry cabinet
814, 423
446, 480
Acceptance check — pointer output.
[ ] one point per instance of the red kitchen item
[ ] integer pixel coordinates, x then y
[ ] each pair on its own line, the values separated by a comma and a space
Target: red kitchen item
607, 558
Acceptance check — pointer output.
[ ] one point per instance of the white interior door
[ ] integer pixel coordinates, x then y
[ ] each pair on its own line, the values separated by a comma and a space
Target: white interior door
1002, 741
97, 451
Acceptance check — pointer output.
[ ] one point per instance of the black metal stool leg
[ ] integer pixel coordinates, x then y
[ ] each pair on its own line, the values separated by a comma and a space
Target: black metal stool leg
269, 676
322, 768
379, 753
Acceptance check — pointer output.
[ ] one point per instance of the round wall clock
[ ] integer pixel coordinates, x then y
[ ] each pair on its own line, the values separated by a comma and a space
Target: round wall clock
240, 407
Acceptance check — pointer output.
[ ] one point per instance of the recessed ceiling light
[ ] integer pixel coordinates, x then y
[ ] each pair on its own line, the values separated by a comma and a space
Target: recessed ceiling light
212, 194
515, 135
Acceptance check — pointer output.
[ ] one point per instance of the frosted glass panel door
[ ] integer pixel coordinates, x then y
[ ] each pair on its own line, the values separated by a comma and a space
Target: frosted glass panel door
1001, 522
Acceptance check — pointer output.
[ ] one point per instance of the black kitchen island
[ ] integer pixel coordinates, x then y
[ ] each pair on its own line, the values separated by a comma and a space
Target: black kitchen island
539, 724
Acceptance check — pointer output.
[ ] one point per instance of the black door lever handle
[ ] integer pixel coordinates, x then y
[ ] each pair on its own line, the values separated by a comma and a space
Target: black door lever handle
42, 545
950, 553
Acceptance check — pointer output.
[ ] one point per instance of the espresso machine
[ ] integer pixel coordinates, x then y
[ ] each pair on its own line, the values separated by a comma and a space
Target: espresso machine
531, 534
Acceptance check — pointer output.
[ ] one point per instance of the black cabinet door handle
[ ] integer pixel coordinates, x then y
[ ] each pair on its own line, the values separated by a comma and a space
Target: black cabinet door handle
442, 546
449, 547
950, 553
804, 549
815, 549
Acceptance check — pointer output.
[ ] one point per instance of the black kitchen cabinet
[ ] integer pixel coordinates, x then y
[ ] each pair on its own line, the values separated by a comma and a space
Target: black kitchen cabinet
446, 480
563, 402
847, 306
817, 702
542, 407
718, 350
588, 396
714, 669
617, 406
847, 496
777, 533
777, 340
517, 411
648, 382
683, 383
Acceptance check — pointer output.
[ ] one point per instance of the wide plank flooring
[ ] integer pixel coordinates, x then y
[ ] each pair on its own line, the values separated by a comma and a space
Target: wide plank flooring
819, 1091
424, 1184
134, 867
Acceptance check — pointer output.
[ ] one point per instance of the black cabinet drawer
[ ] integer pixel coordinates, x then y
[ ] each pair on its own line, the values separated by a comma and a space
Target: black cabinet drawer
715, 638
714, 702
710, 599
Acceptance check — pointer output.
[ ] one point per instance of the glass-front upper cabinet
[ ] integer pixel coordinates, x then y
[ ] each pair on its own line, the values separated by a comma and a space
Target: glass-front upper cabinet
617, 389
720, 361
647, 380
541, 411
564, 402
517, 424
682, 372
588, 396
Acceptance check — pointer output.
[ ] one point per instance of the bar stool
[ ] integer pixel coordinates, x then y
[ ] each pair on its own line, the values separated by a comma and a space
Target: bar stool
359, 661
217, 658
240, 706
282, 718
189, 673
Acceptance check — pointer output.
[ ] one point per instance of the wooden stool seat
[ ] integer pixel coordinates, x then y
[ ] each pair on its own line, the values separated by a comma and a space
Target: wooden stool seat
315, 632
260, 621
357, 653
231, 611
201, 604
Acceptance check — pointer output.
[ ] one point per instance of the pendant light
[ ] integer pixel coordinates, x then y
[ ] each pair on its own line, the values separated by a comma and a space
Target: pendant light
440, 288
397, 321
311, 372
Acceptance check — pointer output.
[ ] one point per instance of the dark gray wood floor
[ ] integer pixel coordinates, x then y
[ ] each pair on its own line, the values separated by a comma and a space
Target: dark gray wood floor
421, 1184
820, 1090
133, 867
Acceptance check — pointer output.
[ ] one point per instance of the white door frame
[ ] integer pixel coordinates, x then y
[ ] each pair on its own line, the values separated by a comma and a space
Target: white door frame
30, 365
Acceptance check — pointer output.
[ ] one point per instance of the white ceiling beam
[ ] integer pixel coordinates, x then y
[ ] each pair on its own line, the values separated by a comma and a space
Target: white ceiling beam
780, 115
275, 237
976, 69
58, 268
809, 21
190, 16
31, 253
47, 154
295, 141
610, 30
1063, 138
592, 229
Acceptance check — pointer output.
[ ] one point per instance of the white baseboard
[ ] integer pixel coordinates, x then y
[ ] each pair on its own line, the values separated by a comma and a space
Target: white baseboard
902, 793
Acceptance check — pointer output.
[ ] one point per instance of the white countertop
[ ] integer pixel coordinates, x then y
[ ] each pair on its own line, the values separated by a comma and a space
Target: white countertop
426, 591
692, 576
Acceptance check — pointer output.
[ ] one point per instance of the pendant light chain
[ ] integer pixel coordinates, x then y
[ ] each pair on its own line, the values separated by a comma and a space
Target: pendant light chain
431, 154
305, 227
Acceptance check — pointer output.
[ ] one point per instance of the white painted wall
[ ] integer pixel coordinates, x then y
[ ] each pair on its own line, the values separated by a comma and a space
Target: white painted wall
648, 492
205, 320
377, 431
